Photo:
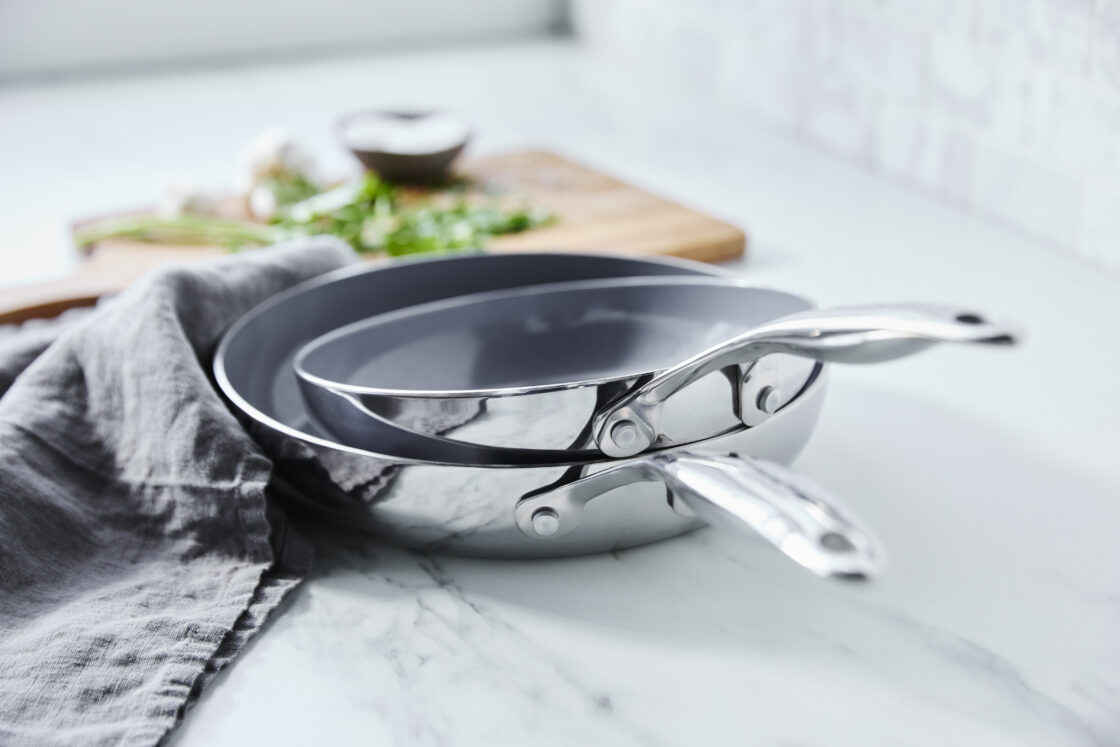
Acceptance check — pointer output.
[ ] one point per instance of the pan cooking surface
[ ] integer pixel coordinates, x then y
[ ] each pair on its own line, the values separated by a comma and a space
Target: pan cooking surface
534, 352
552, 337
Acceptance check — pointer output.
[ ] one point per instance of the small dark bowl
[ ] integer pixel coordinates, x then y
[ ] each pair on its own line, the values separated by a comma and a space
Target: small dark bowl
402, 167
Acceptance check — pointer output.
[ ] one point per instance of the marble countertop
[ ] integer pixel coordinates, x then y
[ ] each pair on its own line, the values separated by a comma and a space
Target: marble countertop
991, 476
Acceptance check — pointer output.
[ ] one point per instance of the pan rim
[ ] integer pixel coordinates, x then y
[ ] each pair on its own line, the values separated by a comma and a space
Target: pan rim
332, 336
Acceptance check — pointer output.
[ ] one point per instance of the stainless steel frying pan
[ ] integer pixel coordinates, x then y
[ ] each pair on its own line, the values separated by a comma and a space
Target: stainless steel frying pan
613, 367
557, 509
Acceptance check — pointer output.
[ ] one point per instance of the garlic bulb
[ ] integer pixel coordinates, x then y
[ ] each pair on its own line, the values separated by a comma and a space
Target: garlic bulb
177, 201
263, 204
273, 153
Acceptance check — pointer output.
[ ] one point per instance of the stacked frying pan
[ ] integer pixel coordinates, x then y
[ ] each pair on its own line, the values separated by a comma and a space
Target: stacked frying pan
552, 404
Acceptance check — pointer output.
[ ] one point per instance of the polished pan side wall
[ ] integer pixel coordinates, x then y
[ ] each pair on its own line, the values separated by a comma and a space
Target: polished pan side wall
470, 510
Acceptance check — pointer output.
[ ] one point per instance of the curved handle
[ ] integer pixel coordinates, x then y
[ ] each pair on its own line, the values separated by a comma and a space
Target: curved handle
726, 491
865, 334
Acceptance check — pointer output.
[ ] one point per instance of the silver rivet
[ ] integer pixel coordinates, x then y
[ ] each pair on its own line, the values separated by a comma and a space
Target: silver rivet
546, 522
625, 434
769, 399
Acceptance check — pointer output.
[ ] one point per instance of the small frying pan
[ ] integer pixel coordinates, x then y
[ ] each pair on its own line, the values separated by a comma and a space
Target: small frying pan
615, 367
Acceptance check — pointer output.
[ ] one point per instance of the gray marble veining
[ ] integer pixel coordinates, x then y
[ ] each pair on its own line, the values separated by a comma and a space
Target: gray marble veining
977, 635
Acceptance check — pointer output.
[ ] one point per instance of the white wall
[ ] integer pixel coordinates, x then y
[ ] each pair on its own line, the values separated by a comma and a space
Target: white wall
1010, 107
51, 36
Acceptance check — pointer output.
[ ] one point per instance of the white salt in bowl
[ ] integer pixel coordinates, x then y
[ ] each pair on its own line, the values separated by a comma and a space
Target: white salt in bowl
404, 145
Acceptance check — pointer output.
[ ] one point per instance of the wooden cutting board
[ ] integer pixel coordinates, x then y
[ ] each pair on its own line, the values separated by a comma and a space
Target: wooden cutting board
595, 212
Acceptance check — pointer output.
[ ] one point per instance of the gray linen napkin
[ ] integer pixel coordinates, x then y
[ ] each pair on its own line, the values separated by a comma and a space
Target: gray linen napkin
138, 552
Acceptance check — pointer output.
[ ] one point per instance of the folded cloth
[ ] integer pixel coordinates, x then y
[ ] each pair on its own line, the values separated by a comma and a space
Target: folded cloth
138, 552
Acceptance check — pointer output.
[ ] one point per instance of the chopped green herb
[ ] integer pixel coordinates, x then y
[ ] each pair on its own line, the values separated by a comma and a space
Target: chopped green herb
370, 215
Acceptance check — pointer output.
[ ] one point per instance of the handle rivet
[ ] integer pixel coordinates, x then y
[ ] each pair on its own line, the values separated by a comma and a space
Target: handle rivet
546, 522
769, 399
625, 434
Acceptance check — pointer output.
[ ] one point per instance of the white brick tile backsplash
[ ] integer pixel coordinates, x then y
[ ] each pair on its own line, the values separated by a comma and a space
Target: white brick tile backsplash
1105, 43
950, 16
1053, 33
1019, 192
879, 57
963, 78
768, 64
1010, 107
1100, 240
839, 109
930, 154
1078, 126
1010, 111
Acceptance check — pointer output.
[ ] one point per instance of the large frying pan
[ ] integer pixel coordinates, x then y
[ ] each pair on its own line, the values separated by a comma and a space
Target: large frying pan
455, 505
587, 369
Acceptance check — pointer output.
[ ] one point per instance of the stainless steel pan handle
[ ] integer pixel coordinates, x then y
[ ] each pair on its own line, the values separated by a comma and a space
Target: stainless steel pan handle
731, 492
866, 334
